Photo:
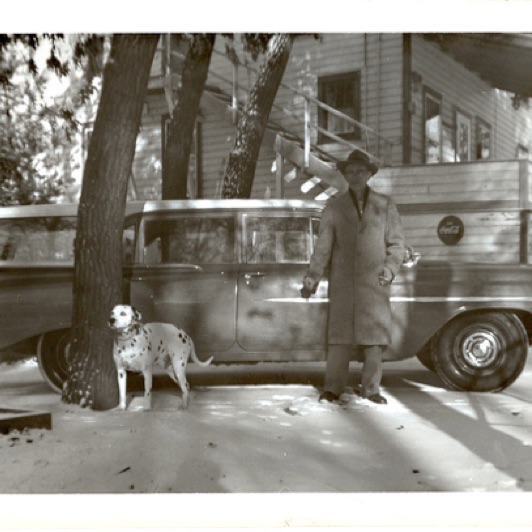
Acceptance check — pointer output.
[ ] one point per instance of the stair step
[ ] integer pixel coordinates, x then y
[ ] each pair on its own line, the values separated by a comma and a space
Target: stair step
328, 173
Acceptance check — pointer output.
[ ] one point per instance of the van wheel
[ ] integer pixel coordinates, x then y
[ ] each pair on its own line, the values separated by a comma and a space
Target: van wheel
425, 357
480, 352
52, 354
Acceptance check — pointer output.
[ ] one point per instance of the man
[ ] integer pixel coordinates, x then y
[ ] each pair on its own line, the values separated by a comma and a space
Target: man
361, 243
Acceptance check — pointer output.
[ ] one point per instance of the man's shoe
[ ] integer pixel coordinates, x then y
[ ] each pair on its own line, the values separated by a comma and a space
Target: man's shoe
328, 397
377, 398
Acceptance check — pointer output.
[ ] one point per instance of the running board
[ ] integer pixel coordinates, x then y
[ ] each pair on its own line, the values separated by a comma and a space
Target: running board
15, 419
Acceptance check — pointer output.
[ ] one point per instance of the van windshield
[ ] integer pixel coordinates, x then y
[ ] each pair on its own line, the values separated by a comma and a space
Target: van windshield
37, 240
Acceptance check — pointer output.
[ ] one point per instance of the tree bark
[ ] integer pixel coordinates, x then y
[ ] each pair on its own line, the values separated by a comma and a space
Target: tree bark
240, 170
185, 112
97, 287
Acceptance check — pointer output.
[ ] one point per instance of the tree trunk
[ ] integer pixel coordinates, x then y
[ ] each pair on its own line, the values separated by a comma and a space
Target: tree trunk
97, 288
185, 112
240, 170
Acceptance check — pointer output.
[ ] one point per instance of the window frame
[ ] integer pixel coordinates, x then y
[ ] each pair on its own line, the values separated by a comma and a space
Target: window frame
462, 118
44, 238
133, 226
481, 123
311, 222
323, 82
438, 98
173, 216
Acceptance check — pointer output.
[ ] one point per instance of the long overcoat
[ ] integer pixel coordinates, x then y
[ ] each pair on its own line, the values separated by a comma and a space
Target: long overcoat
356, 248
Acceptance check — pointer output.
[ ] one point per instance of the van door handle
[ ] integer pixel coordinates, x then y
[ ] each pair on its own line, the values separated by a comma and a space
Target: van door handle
249, 276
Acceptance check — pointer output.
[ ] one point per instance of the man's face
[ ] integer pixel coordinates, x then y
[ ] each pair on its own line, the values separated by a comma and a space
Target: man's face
357, 175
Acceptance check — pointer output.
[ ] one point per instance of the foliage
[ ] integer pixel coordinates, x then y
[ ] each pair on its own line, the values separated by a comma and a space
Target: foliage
44, 81
253, 43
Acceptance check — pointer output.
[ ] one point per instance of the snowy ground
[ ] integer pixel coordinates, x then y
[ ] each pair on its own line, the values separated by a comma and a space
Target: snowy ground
260, 430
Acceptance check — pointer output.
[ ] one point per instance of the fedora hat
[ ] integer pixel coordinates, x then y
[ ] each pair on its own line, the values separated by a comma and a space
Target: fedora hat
358, 156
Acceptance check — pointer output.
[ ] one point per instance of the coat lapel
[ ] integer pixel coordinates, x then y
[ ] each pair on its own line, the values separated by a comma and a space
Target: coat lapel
346, 208
371, 205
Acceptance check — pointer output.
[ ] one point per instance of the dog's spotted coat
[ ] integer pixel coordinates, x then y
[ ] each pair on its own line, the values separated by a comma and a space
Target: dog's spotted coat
137, 347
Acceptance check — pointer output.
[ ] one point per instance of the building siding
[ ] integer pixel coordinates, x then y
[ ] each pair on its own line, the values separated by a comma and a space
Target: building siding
462, 89
379, 59
487, 196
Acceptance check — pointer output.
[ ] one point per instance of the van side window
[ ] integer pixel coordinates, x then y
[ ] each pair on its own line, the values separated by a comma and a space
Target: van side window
277, 239
128, 244
190, 240
37, 240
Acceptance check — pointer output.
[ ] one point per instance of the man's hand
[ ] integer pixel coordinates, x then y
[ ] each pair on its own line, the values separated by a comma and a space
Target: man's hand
308, 288
385, 277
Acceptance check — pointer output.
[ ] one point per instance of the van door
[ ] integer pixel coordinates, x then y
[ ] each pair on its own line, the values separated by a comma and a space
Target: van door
272, 317
187, 276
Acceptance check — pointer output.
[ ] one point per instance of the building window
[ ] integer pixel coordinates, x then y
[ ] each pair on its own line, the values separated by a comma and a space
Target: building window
462, 137
432, 121
447, 143
341, 92
483, 140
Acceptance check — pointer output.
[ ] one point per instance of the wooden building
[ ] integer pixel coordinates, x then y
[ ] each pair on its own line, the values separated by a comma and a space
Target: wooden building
451, 134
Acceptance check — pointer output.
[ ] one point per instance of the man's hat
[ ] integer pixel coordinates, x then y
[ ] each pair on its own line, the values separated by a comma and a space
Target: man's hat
358, 156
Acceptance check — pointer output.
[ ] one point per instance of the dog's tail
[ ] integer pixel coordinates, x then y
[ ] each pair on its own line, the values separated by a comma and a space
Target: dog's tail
195, 357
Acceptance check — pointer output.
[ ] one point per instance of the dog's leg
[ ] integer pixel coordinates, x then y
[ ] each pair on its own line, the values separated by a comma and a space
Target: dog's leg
179, 376
185, 388
147, 388
122, 385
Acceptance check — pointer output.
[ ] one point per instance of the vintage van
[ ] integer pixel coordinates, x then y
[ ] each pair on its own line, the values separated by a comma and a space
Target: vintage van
230, 271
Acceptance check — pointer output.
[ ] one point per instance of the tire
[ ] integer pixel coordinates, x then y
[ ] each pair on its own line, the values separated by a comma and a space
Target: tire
480, 352
52, 355
425, 357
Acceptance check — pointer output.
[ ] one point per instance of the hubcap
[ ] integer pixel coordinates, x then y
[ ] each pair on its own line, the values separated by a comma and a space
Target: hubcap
480, 349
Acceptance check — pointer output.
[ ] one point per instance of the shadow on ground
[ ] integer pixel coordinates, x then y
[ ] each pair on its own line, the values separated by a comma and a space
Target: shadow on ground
281, 374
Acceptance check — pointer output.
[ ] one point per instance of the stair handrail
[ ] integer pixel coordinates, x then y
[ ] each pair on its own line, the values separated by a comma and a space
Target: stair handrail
295, 116
368, 130
320, 104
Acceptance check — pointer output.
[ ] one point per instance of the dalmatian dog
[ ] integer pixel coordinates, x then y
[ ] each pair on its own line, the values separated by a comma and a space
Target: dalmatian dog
137, 347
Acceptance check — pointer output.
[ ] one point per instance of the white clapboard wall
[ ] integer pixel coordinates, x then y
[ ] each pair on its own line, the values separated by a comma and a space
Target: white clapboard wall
483, 205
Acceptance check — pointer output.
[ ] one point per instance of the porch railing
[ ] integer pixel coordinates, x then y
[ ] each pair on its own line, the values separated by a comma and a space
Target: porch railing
304, 127
301, 126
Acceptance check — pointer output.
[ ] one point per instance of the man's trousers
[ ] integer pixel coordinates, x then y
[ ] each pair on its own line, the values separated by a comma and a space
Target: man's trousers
337, 369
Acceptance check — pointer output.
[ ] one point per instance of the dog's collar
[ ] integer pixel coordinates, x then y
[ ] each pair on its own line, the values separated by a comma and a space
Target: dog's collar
128, 334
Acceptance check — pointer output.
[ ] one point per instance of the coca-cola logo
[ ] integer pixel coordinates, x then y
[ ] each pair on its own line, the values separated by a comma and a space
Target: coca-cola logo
451, 230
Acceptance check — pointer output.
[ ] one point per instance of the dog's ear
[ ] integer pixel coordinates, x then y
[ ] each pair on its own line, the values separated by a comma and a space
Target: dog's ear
138, 315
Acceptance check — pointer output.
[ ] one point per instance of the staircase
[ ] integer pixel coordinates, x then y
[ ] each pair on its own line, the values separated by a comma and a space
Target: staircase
299, 158
317, 176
